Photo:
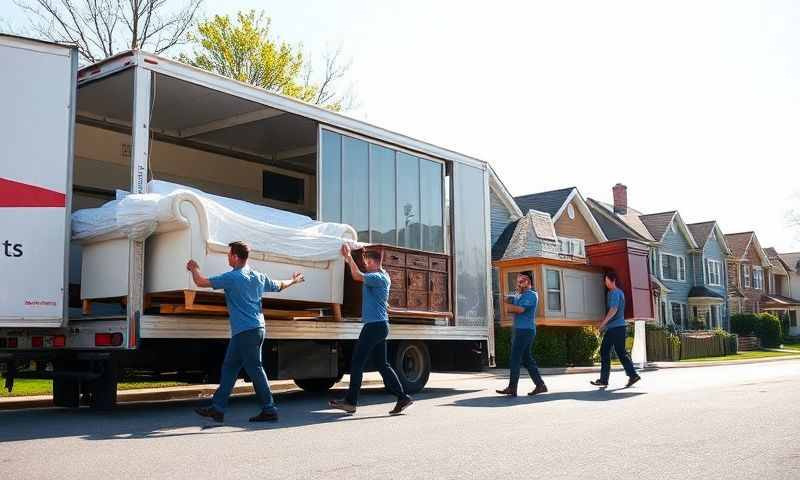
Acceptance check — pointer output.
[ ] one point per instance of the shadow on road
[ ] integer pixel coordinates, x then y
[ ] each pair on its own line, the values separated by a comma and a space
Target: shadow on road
600, 395
177, 418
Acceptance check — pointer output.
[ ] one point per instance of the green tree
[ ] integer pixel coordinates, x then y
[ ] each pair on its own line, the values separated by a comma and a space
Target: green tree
245, 49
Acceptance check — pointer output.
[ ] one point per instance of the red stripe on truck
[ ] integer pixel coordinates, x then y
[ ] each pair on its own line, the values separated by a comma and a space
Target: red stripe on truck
17, 194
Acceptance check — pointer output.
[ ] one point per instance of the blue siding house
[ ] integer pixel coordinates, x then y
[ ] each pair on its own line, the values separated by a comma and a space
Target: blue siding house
707, 299
672, 264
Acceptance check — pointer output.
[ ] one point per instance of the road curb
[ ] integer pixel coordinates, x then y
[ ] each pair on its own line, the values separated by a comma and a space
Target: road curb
162, 394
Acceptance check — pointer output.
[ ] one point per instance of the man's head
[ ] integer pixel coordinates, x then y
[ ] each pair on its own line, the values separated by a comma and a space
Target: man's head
524, 281
372, 260
237, 256
611, 280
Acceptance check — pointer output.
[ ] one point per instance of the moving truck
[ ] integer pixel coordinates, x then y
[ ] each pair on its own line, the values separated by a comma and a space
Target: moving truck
75, 138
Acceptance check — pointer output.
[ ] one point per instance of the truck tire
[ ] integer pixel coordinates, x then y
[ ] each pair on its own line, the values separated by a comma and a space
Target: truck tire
104, 389
66, 392
316, 385
412, 362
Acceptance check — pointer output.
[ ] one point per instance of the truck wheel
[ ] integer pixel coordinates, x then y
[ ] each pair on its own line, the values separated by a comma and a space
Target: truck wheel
66, 392
412, 362
315, 385
104, 389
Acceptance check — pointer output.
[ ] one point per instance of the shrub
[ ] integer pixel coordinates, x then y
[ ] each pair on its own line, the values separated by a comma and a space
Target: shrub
553, 347
785, 327
768, 329
582, 344
743, 323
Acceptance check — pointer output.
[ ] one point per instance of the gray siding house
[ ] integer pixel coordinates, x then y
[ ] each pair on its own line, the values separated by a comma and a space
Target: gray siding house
708, 298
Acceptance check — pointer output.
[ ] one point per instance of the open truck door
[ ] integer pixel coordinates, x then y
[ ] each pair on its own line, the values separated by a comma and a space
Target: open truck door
37, 92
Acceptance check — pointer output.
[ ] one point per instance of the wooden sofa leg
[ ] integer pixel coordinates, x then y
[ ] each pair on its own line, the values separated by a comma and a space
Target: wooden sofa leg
337, 312
188, 298
86, 307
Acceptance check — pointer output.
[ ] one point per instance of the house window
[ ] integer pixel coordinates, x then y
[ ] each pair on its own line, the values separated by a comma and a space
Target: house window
678, 314
758, 278
575, 247
571, 212
673, 267
553, 290
714, 272
746, 276
653, 262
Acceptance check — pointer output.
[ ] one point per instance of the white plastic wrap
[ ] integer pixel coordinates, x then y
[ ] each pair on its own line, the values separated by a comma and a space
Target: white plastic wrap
139, 216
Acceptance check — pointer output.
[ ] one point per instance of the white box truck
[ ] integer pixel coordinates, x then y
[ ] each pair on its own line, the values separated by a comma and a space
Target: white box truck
71, 138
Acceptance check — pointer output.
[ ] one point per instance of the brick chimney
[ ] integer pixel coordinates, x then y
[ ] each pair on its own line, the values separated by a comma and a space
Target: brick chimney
620, 199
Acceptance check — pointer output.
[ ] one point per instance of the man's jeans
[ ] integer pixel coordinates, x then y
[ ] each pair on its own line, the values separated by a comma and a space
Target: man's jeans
372, 343
521, 344
614, 338
244, 350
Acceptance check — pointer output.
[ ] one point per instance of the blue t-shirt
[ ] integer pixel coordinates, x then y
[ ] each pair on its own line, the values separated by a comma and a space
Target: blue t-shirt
529, 301
243, 290
374, 296
615, 298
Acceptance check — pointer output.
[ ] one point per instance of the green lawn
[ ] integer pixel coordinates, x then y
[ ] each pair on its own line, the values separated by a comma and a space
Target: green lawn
24, 387
792, 346
741, 356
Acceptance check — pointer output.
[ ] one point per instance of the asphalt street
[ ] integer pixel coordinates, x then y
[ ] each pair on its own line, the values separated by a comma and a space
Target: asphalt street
720, 422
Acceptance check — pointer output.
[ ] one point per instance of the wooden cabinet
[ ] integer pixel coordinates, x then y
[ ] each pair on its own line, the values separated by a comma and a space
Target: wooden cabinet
420, 283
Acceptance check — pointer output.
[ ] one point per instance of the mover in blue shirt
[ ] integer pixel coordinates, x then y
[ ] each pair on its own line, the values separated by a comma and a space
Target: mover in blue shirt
614, 332
523, 306
243, 290
372, 339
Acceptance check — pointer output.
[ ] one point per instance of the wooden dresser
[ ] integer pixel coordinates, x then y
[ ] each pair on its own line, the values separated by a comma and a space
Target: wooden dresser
420, 283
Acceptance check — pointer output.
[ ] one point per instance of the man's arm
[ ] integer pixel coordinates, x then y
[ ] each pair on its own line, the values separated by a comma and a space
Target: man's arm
611, 312
198, 278
297, 277
357, 275
511, 308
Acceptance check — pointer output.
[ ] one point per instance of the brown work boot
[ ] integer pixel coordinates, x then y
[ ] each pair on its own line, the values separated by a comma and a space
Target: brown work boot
511, 392
539, 389
401, 405
343, 405
265, 416
210, 412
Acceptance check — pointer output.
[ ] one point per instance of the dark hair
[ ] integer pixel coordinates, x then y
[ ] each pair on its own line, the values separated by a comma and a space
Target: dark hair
612, 275
240, 249
373, 255
529, 274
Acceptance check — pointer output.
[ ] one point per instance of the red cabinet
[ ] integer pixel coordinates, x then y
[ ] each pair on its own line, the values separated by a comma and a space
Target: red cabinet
629, 260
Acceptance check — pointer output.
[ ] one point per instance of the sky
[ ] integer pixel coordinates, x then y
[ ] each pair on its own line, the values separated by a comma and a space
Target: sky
691, 104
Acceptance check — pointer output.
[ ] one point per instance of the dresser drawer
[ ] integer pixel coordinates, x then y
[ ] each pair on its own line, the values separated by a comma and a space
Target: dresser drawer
397, 298
438, 264
417, 300
439, 302
417, 280
397, 276
394, 258
438, 282
417, 261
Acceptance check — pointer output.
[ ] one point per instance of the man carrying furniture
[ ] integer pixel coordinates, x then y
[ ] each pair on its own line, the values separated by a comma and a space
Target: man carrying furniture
243, 290
372, 339
614, 332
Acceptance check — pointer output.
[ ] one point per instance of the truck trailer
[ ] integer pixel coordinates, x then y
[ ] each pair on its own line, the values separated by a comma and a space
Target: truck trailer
75, 138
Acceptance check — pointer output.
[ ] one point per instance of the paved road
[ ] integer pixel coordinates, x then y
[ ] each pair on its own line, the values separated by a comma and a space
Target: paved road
712, 423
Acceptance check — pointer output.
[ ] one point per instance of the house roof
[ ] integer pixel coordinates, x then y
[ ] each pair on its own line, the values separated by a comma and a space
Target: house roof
501, 244
629, 221
792, 260
703, 292
657, 223
779, 300
701, 231
548, 202
771, 252
738, 242
538, 224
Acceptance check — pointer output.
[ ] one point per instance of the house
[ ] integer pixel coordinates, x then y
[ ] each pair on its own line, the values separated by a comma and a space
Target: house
748, 268
572, 219
792, 265
781, 299
708, 297
672, 246
503, 211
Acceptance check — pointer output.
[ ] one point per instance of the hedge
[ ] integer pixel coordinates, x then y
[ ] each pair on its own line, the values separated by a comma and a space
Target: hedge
553, 347
744, 323
768, 329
